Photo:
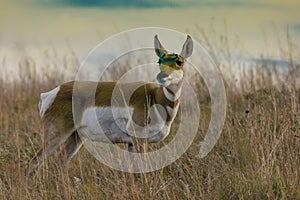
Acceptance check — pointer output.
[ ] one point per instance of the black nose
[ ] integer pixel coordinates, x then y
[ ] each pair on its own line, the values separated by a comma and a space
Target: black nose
160, 77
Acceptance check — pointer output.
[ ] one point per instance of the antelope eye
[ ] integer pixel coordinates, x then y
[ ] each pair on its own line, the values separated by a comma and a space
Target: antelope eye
178, 62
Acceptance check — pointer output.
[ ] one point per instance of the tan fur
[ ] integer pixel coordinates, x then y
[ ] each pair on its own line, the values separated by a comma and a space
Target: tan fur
58, 118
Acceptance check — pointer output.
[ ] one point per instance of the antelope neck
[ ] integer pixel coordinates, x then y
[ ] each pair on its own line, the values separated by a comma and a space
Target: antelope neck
172, 92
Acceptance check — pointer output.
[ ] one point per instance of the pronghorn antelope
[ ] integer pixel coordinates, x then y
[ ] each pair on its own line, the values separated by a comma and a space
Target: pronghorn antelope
55, 109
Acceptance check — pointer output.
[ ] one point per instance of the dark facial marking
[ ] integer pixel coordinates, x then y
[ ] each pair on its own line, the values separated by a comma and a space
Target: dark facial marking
178, 62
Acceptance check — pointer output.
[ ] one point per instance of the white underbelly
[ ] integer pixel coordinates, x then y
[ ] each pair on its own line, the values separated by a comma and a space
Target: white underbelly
106, 124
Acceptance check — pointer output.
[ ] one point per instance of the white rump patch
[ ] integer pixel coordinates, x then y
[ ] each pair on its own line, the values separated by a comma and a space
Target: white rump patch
46, 99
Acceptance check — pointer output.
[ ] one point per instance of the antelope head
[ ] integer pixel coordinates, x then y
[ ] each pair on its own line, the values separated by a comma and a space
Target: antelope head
172, 65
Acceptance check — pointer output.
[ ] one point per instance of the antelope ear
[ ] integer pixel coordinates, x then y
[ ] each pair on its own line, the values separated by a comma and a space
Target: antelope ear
187, 48
159, 49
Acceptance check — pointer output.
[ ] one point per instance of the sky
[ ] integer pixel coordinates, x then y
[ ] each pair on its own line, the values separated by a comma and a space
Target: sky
82, 24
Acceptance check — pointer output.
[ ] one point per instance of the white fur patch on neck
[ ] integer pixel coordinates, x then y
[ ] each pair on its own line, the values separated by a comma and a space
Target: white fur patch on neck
170, 96
46, 99
172, 111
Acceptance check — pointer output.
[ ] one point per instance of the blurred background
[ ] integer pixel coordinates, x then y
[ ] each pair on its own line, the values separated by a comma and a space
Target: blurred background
250, 28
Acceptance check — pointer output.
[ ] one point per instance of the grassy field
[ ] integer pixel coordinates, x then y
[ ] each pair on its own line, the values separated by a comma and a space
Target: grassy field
256, 157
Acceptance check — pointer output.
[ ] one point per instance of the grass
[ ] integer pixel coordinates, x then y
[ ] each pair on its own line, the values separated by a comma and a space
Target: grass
256, 157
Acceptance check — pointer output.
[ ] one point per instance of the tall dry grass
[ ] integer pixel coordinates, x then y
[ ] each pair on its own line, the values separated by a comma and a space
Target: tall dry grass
256, 157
